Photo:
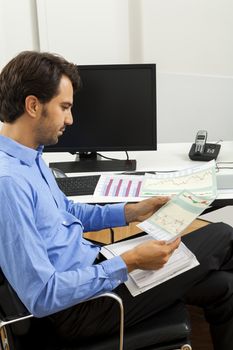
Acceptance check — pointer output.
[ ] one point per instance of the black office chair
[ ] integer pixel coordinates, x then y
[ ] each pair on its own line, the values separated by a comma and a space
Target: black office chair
170, 329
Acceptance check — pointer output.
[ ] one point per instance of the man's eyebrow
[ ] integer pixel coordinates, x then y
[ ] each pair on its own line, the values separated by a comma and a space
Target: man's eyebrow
67, 104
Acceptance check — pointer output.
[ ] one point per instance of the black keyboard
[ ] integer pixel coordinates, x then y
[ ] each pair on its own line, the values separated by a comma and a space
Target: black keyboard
78, 185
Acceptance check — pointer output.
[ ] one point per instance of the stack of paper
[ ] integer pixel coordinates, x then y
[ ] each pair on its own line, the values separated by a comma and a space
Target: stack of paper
141, 280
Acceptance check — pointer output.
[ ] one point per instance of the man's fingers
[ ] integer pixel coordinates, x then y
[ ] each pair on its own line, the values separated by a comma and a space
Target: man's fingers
174, 245
162, 200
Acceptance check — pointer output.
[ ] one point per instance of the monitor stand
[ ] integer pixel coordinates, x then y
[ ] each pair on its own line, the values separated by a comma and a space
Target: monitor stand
89, 162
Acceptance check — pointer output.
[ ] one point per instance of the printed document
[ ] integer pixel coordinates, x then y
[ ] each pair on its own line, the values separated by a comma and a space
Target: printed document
200, 180
120, 186
171, 219
141, 280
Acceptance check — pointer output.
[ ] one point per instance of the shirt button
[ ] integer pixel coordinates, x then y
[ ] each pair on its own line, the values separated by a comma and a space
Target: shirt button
64, 222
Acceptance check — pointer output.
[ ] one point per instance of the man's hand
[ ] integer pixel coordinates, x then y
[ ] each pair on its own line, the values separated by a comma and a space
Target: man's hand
150, 255
144, 209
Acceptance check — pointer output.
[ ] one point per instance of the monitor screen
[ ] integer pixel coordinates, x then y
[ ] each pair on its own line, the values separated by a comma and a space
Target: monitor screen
115, 110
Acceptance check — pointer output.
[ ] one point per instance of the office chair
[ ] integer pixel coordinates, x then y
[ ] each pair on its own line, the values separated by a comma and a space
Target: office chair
169, 329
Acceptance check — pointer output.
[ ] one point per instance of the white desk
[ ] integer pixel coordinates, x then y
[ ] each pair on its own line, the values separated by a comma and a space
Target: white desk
169, 156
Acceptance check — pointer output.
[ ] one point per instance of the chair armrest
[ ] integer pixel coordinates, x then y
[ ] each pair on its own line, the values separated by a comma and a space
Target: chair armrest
12, 310
121, 306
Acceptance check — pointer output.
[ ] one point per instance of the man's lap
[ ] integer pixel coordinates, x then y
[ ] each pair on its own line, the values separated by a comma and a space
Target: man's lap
211, 244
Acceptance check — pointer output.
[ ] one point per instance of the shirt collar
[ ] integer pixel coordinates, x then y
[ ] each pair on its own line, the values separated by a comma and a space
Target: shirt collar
24, 154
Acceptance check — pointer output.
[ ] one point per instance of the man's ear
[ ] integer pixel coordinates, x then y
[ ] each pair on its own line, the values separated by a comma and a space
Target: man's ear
32, 105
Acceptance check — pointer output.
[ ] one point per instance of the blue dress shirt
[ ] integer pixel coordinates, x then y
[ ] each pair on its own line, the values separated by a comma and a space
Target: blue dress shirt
43, 253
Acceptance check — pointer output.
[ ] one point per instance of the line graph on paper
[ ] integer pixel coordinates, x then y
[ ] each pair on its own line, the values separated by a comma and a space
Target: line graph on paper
170, 223
199, 180
193, 181
171, 219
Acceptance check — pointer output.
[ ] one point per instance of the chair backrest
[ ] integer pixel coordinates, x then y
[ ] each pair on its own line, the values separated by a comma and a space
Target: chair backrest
11, 307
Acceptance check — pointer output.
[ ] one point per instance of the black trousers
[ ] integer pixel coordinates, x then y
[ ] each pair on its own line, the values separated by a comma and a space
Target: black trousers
209, 285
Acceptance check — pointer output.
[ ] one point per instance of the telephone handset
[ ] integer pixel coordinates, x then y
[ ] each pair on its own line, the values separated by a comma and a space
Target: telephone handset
200, 141
201, 150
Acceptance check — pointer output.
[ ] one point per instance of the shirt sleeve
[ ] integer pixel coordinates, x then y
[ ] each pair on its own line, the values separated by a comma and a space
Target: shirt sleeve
98, 217
25, 260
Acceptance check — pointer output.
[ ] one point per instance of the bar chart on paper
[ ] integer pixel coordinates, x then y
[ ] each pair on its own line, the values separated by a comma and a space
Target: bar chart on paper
119, 186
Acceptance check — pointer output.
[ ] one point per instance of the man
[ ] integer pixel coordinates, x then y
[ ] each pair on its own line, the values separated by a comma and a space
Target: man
43, 253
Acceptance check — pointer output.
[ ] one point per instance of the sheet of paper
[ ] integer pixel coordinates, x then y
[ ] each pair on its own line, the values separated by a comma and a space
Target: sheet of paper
119, 186
170, 220
200, 180
140, 280
171, 268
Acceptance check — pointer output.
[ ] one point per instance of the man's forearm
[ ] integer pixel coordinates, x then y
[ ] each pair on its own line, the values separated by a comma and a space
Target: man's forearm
130, 213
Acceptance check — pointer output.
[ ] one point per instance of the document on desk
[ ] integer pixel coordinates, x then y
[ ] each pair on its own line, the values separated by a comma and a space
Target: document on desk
175, 216
122, 186
200, 180
141, 280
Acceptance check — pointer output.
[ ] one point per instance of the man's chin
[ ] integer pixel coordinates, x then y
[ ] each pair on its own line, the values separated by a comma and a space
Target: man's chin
51, 142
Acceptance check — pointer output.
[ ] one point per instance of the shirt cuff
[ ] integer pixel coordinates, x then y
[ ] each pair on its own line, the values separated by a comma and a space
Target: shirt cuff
116, 269
117, 214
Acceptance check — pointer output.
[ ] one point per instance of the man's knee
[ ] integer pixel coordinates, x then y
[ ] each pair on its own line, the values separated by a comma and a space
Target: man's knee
218, 228
215, 295
216, 238
221, 227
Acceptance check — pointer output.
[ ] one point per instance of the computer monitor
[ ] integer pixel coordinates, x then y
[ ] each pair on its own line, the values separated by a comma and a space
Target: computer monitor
115, 110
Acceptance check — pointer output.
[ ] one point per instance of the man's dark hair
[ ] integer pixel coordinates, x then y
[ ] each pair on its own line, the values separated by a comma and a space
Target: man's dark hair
32, 73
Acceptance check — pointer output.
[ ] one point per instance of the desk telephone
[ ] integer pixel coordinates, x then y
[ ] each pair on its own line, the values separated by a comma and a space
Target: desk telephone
201, 150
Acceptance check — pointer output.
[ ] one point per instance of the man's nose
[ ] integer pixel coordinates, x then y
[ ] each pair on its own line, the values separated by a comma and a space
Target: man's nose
69, 119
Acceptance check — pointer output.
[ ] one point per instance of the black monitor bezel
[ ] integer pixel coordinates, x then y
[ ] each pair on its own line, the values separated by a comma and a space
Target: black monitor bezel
152, 147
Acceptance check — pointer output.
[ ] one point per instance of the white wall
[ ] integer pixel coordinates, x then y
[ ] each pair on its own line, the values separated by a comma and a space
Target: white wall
85, 31
191, 42
187, 103
189, 36
18, 28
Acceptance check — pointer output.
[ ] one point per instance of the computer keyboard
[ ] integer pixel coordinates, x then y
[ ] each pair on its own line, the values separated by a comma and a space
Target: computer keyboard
78, 185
